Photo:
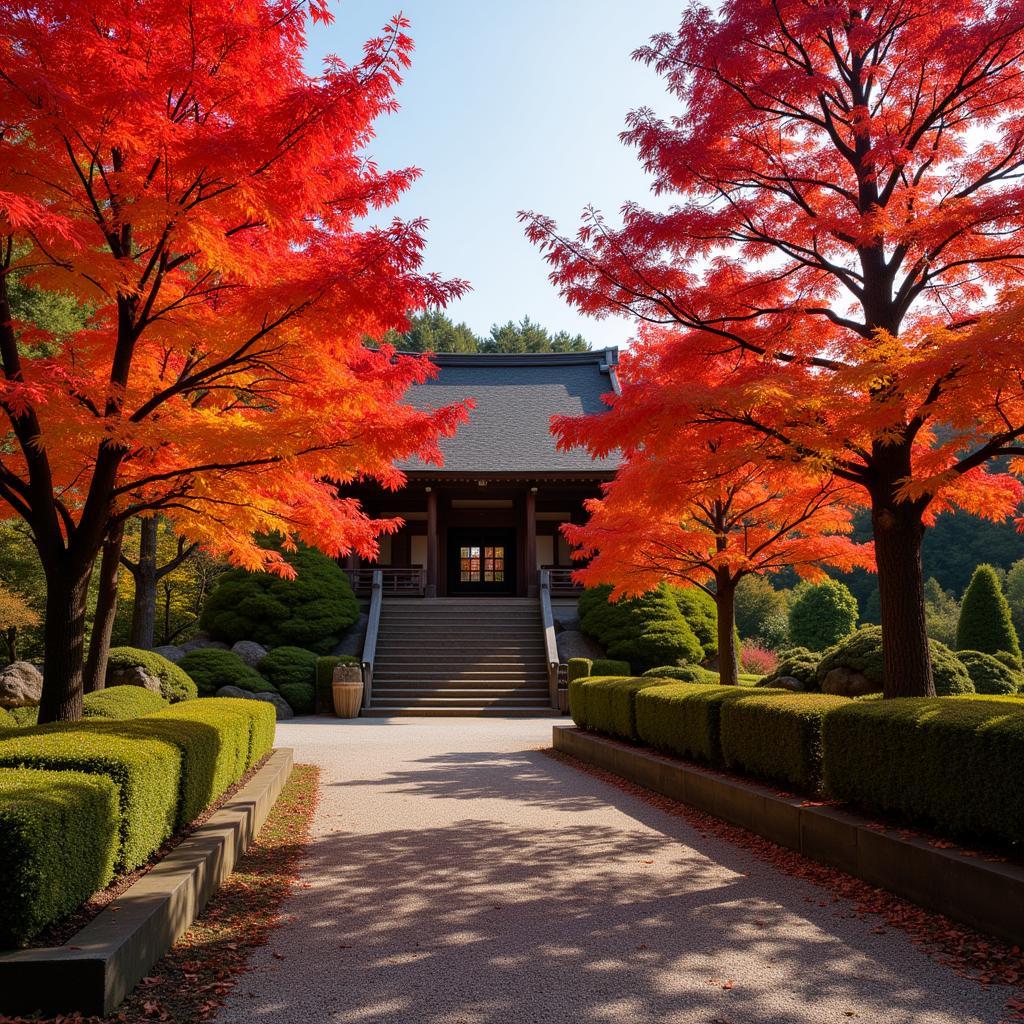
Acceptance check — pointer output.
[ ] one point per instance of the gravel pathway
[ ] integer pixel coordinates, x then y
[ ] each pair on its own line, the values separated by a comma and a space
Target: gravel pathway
460, 876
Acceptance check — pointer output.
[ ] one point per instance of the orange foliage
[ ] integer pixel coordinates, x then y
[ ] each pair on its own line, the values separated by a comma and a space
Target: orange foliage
845, 230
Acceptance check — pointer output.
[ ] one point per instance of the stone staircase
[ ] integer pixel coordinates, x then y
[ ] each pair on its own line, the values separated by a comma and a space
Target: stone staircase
460, 656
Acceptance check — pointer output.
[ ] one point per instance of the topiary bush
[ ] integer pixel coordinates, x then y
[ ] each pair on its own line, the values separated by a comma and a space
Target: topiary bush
580, 668
146, 771
610, 703
312, 611
822, 614
25, 716
862, 652
777, 736
985, 623
175, 683
609, 667
950, 764
288, 665
121, 702
644, 631
211, 668
797, 662
7, 720
301, 697
58, 844
989, 674
701, 613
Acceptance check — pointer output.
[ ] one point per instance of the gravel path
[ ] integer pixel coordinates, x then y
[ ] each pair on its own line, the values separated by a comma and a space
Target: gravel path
460, 876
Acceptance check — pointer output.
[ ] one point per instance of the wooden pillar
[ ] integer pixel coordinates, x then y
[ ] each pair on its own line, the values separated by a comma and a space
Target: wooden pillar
532, 588
431, 542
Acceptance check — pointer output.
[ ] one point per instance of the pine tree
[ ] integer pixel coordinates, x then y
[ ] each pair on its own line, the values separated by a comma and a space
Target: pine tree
985, 621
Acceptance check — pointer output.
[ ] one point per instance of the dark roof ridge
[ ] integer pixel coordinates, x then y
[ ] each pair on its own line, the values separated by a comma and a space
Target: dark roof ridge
604, 357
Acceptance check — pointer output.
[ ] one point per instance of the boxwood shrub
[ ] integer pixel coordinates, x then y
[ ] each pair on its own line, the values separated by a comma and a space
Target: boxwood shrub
175, 682
580, 668
798, 663
988, 673
293, 671
212, 668
7, 720
121, 702
685, 718
25, 716
777, 736
313, 610
610, 703
59, 838
146, 770
610, 667
950, 764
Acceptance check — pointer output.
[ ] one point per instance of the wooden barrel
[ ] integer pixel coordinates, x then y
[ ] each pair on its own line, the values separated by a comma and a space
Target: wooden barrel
347, 688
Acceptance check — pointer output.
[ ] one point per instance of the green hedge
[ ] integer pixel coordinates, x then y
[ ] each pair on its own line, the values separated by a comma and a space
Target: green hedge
25, 716
284, 665
953, 764
212, 668
580, 668
121, 702
777, 736
685, 718
58, 845
175, 682
988, 673
7, 720
147, 772
608, 704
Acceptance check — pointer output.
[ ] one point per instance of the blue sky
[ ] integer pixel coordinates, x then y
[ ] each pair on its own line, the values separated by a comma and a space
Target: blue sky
511, 106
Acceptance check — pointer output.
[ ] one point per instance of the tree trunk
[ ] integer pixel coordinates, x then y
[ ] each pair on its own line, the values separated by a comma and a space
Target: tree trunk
145, 575
898, 533
106, 609
64, 638
725, 601
11, 639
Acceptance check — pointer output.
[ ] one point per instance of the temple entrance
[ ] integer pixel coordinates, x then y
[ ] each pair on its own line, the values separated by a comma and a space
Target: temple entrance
481, 562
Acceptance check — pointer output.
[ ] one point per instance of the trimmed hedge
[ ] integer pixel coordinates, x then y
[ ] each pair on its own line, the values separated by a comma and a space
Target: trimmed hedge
25, 716
580, 668
685, 718
212, 668
989, 674
285, 665
950, 764
313, 610
7, 720
609, 703
985, 622
777, 736
175, 682
58, 844
146, 770
121, 702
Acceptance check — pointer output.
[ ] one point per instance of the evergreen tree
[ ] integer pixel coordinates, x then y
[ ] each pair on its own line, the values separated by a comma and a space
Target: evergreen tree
529, 336
821, 614
985, 622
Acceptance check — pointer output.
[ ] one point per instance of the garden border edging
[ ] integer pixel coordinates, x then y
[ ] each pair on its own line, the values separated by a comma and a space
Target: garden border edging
96, 969
985, 894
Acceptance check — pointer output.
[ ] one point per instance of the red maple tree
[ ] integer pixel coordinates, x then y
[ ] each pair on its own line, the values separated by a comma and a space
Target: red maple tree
175, 169
845, 226
689, 505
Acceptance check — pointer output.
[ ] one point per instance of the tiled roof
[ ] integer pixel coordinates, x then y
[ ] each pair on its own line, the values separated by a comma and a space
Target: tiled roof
516, 396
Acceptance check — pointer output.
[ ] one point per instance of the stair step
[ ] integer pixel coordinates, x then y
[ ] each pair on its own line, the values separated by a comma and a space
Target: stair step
480, 711
391, 693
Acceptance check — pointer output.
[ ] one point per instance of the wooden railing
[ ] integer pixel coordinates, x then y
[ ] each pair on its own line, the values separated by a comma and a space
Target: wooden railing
372, 627
409, 581
561, 580
548, 625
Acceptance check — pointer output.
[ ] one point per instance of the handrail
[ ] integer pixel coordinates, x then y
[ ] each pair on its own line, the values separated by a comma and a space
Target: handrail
550, 646
562, 581
409, 580
370, 643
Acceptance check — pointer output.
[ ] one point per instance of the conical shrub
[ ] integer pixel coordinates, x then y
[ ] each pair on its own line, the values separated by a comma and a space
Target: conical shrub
985, 622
